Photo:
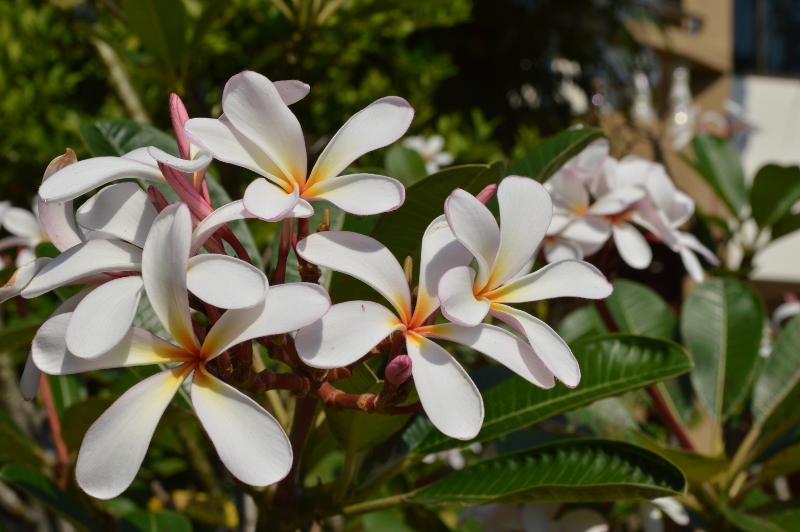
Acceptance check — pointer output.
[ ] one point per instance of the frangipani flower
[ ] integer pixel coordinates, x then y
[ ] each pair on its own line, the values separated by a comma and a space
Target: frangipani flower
652, 513
260, 133
784, 311
250, 442
349, 330
501, 253
431, 150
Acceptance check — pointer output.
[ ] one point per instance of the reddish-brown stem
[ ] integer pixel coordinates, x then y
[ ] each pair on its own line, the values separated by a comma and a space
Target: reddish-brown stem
284, 244
335, 399
286, 496
62, 454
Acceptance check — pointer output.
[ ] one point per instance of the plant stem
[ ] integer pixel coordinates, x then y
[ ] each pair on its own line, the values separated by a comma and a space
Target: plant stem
285, 243
372, 484
668, 416
286, 494
62, 454
373, 506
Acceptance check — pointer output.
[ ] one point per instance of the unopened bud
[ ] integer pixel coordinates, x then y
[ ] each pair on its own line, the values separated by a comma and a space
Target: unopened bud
486, 194
789, 297
399, 370
408, 269
326, 221
157, 198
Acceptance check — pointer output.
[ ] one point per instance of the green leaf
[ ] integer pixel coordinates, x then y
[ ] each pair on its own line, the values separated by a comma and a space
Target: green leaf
783, 514
590, 470
19, 335
721, 324
161, 26
788, 224
749, 522
116, 137
77, 419
163, 521
718, 163
784, 463
610, 365
543, 160
404, 164
697, 467
775, 189
67, 390
44, 490
17, 449
640, 310
583, 322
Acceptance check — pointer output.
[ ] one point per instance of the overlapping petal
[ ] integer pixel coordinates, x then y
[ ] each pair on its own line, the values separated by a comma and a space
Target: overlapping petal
568, 278
361, 194
291, 90
21, 278
459, 304
122, 211
270, 202
632, 246
476, 228
200, 161
226, 282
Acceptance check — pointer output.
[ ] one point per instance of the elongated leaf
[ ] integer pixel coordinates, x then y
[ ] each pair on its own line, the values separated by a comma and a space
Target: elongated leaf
783, 514
718, 163
749, 522
784, 463
543, 160
775, 189
564, 471
161, 26
404, 164
19, 335
17, 449
141, 521
786, 225
697, 467
116, 137
610, 365
583, 322
721, 324
640, 310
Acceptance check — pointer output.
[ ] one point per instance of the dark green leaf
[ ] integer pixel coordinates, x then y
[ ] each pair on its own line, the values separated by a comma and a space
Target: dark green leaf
697, 467
749, 522
164, 521
564, 471
161, 26
788, 224
638, 309
784, 514
17, 449
784, 463
543, 160
718, 163
583, 322
404, 164
77, 419
19, 335
116, 137
775, 190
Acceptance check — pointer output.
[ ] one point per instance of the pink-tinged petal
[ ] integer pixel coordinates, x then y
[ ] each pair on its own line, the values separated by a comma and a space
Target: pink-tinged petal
525, 214
450, 398
227, 213
84, 260
114, 446
269, 202
200, 161
441, 252
459, 304
561, 249
250, 442
377, 125
123, 211
226, 282
345, 334
137, 348
165, 260
568, 278
197, 203
364, 258
498, 344
361, 194
632, 246
616, 201
546, 343
475, 227
690, 241
104, 317
255, 108
22, 223
568, 190
13, 242
58, 219
179, 116
291, 91
692, 265
287, 307
588, 231
29, 381
680, 210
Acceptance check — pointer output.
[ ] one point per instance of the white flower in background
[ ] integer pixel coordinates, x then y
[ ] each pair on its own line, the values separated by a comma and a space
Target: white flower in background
504, 252
431, 150
534, 518
652, 513
790, 307
349, 330
258, 131
250, 442
454, 457
25, 227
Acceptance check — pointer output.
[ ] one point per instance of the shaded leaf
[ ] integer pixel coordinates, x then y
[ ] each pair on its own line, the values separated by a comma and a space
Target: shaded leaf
583, 322
67, 390
697, 467
19, 335
749, 522
163, 521
17, 449
638, 309
784, 463
404, 164
718, 163
775, 189
161, 26
116, 137
786, 225
547, 157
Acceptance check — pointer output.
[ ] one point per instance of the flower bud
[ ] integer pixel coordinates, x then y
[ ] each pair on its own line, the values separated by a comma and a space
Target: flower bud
486, 194
399, 370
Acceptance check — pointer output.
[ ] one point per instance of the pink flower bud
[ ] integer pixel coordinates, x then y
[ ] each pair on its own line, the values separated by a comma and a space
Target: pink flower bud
399, 370
486, 194
179, 116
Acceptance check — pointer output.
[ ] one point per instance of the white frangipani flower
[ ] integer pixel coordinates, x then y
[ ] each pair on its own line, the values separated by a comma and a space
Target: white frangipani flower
431, 150
652, 513
349, 330
786, 310
258, 131
250, 442
501, 252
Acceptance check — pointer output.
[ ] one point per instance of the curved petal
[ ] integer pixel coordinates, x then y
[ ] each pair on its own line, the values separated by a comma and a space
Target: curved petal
784, 311
23, 223
345, 334
250, 442
459, 304
498, 344
583, 519
291, 91
361, 194
525, 214
450, 398
569, 190
21, 278
255, 108
114, 446
303, 209
227, 213
476, 228
690, 241
680, 210
104, 317
568, 278
269, 202
24, 256
546, 343
377, 125
93, 257
616, 201
361, 257
632, 246
692, 265
591, 231
165, 260
123, 211
561, 249
673, 508
29, 381
287, 307
226, 282
200, 161
58, 219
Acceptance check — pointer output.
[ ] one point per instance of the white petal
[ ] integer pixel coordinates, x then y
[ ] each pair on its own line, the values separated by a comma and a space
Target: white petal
29, 382
784, 311
525, 213
364, 258
377, 125
286, 308
227, 213
250, 443
673, 508
93, 257
254, 107
690, 241
58, 222
588, 231
346, 333
616, 201
569, 189
226, 282
292, 91
303, 209
201, 160
568, 278
450, 398
122, 211
361, 194
582, 520
459, 304
268, 201
562, 249
632, 246
22, 223
114, 446
24, 256
692, 265
551, 349
165, 260
476, 228
498, 344
104, 317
